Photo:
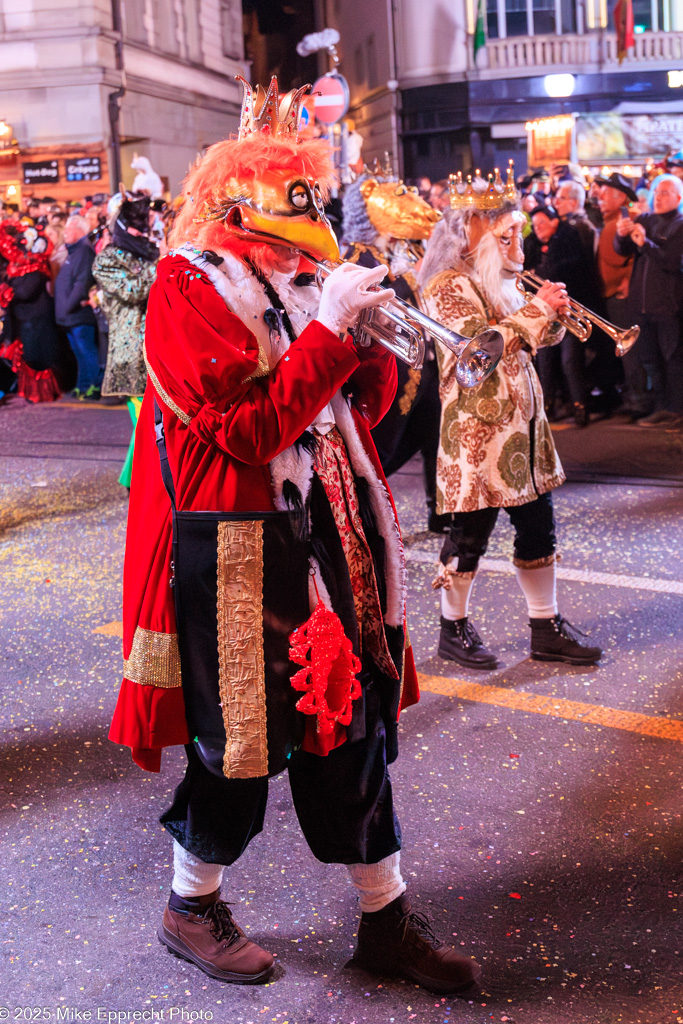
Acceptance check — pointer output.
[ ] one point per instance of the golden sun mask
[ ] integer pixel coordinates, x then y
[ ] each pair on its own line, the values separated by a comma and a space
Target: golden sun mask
397, 211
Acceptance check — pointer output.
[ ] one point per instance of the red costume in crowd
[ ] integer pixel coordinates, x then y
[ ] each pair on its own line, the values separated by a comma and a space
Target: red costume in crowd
28, 336
263, 407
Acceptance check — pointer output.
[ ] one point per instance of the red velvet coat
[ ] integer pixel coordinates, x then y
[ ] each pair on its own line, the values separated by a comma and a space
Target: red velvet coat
202, 355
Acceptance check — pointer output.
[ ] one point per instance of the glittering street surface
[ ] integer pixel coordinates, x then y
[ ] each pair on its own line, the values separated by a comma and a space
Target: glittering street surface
540, 803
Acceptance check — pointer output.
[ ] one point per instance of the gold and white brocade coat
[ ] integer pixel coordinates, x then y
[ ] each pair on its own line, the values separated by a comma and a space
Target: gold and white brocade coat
485, 444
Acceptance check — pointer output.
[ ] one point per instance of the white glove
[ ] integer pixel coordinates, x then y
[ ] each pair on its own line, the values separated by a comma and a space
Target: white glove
347, 291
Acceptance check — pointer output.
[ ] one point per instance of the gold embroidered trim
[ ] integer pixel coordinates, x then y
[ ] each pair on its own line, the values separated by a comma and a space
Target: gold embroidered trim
241, 669
444, 575
164, 396
154, 659
536, 563
409, 390
263, 367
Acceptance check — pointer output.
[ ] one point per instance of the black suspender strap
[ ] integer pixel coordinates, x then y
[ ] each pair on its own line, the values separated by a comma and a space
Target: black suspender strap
166, 474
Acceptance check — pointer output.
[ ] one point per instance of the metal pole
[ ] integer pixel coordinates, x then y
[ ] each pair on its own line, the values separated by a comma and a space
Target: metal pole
396, 139
114, 101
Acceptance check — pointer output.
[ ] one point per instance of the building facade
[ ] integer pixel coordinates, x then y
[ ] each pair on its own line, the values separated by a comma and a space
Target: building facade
86, 84
415, 59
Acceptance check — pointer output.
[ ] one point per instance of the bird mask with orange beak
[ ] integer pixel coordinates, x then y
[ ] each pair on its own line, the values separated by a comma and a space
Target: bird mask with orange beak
266, 188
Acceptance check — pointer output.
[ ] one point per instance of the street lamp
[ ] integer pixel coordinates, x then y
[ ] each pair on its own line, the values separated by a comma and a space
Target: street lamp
559, 85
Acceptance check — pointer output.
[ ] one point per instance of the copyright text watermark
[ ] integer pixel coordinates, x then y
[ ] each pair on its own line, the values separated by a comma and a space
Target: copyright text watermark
104, 1014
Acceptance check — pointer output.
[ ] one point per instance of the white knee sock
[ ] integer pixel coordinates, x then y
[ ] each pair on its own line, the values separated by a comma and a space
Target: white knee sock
378, 884
455, 601
538, 587
192, 876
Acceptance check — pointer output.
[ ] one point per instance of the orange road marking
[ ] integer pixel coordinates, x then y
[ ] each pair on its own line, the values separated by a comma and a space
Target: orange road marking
556, 707
110, 629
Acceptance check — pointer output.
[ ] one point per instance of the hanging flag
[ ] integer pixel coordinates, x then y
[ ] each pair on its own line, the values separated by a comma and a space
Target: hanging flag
480, 34
623, 23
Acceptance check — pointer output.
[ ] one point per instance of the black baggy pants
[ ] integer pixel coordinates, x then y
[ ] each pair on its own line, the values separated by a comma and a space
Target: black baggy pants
343, 802
470, 532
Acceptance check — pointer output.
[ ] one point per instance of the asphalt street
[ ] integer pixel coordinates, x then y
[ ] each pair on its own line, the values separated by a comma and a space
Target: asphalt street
540, 803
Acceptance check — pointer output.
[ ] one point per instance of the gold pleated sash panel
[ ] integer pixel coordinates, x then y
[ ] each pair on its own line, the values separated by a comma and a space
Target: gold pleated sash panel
241, 668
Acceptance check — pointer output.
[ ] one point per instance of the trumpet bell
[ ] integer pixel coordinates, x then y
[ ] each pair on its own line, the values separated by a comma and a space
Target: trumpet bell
479, 359
625, 340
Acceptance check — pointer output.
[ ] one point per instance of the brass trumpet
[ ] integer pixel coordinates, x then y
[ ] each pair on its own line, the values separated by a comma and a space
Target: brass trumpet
580, 320
402, 329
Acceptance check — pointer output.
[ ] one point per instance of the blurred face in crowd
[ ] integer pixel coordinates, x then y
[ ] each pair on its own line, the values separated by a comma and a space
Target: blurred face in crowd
667, 197
439, 197
564, 201
610, 200
544, 226
73, 232
92, 217
528, 203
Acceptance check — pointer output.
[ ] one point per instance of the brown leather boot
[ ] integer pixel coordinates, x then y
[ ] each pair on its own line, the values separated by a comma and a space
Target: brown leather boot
202, 930
395, 941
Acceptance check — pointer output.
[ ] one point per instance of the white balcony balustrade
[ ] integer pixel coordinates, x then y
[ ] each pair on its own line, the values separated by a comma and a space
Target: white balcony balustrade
520, 56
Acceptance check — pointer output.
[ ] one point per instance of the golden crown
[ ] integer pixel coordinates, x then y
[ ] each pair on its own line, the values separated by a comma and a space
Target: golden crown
264, 112
481, 195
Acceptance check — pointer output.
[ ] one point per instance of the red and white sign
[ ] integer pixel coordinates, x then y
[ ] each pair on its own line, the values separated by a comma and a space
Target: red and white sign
330, 98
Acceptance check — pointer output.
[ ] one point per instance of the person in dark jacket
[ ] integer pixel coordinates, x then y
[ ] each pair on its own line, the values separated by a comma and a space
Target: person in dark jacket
72, 310
656, 295
557, 252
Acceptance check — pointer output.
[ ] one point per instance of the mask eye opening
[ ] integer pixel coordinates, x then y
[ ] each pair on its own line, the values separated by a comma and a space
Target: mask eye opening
400, 190
300, 196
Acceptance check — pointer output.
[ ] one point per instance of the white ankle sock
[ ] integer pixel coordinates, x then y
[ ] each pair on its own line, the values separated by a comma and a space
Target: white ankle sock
378, 884
192, 876
538, 587
455, 601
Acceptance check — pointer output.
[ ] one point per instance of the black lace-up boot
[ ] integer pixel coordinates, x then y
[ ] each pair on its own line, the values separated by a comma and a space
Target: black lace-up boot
459, 641
202, 930
395, 941
557, 640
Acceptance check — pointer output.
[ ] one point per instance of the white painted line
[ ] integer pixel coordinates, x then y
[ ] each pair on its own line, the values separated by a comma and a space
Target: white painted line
607, 579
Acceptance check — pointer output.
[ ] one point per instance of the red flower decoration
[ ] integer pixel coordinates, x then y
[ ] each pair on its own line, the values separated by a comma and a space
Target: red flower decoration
6, 295
328, 678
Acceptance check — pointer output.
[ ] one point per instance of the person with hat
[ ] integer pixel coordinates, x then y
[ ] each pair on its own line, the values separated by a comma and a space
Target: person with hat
656, 296
615, 271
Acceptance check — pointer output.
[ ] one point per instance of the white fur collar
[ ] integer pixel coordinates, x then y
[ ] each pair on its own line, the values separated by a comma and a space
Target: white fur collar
244, 296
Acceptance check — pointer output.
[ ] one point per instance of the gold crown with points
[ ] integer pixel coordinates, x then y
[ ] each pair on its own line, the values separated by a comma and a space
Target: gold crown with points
264, 112
487, 196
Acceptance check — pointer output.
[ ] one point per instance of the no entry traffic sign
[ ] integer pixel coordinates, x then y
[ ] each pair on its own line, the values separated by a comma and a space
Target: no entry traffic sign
330, 98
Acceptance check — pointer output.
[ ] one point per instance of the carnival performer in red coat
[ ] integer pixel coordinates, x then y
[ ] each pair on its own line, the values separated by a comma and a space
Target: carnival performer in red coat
258, 496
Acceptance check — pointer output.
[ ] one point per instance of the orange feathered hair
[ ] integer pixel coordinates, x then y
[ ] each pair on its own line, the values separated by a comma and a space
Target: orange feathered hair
244, 160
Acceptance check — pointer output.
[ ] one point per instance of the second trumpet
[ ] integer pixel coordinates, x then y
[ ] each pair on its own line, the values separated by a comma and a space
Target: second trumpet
580, 320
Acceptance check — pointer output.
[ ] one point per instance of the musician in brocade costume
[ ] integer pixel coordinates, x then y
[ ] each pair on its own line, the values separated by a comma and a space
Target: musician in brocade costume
496, 448
260, 404
387, 222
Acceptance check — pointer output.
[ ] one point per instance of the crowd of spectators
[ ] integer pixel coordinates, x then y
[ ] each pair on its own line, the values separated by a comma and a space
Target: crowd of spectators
619, 249
54, 333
